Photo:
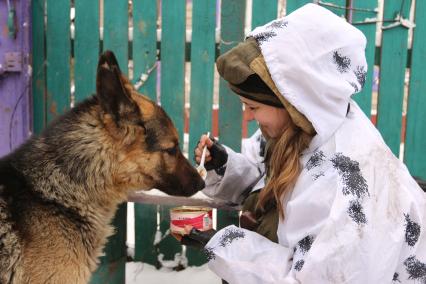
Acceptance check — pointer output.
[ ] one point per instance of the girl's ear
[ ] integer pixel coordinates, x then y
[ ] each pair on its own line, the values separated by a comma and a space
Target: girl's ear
111, 93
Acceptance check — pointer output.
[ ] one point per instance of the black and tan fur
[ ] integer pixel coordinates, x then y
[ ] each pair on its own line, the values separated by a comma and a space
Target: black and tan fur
59, 191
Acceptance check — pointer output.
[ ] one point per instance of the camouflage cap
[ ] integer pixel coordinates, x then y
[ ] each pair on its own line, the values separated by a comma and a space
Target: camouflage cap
241, 65
234, 65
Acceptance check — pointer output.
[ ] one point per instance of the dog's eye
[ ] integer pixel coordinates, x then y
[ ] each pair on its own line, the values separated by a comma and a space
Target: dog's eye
171, 151
140, 123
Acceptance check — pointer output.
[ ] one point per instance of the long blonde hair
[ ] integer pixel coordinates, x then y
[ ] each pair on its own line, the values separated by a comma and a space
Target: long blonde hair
283, 165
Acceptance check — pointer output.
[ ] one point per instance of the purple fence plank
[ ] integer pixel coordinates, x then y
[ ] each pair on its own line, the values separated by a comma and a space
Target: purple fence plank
15, 114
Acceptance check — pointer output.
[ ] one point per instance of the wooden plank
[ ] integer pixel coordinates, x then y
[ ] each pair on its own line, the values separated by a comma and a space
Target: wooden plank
263, 11
145, 45
86, 47
38, 65
230, 109
202, 70
230, 114
201, 94
295, 4
58, 53
392, 75
145, 228
168, 246
338, 7
115, 35
112, 266
115, 38
173, 61
415, 143
359, 18
172, 89
144, 57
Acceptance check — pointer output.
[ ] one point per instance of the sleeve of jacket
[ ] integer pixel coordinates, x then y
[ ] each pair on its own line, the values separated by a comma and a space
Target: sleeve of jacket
242, 256
243, 171
240, 176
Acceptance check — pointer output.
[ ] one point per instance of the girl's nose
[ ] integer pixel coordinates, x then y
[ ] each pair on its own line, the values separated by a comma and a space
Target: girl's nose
249, 114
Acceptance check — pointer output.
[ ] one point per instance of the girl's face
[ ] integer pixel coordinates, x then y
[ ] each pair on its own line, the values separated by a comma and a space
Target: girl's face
272, 120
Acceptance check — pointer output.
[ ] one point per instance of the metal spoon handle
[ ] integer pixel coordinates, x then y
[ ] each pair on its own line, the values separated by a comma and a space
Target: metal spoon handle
203, 155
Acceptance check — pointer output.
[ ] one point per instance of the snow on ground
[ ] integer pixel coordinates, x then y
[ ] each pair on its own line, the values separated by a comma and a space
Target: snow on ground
143, 273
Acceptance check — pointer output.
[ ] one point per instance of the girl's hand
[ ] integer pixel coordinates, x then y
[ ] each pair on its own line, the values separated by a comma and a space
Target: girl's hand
216, 155
196, 238
178, 237
204, 140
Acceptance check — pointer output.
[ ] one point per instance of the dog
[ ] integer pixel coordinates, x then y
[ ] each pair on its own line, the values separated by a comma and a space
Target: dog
60, 190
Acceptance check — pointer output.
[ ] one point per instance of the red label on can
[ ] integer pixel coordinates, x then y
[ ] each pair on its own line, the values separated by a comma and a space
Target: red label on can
198, 222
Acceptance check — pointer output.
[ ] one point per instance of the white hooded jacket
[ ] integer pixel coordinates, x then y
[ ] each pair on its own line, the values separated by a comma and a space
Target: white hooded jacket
355, 214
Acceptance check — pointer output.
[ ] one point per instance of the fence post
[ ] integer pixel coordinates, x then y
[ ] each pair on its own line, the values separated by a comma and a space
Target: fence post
295, 4
86, 48
58, 55
262, 12
202, 74
173, 26
392, 73
415, 144
112, 267
232, 32
367, 10
39, 66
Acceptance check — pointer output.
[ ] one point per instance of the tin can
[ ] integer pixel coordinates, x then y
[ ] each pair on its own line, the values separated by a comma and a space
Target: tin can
196, 216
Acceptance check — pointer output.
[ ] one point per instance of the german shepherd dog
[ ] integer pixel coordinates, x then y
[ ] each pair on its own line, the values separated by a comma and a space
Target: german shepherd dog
60, 190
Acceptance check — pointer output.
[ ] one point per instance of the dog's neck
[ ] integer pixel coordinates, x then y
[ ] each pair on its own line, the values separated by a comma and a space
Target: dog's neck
88, 198
89, 201
72, 165
70, 168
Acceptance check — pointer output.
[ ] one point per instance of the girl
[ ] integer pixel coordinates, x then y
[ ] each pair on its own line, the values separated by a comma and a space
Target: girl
348, 210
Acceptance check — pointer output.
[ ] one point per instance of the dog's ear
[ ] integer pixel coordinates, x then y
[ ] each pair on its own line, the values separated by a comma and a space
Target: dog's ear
111, 92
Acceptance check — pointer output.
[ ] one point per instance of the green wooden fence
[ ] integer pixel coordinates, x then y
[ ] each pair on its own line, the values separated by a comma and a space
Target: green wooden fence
61, 61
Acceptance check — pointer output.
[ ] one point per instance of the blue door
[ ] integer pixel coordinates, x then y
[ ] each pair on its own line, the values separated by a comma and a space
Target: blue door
15, 74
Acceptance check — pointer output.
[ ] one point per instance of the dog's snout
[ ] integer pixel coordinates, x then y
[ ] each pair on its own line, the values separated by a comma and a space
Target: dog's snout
196, 184
201, 184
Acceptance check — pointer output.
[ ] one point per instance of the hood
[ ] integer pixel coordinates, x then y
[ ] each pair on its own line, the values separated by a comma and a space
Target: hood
317, 61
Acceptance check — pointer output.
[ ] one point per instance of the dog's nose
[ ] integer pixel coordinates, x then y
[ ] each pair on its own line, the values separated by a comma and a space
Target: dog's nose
201, 184
196, 186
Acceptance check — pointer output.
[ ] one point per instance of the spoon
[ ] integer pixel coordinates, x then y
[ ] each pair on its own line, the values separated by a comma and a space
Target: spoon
201, 169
